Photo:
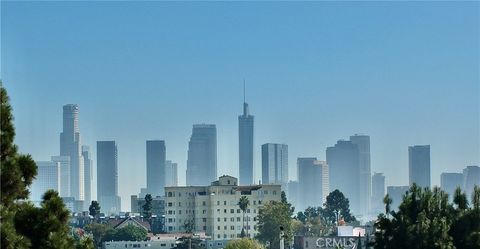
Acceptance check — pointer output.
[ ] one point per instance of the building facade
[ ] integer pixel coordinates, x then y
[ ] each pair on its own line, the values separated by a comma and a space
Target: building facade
378, 193
396, 193
156, 171
419, 165
245, 146
202, 155
171, 173
451, 181
344, 167
64, 162
107, 177
275, 164
471, 177
363, 144
214, 209
70, 146
48, 177
313, 180
88, 175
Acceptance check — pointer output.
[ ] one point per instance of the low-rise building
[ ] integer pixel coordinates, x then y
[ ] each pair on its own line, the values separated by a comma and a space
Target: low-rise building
214, 209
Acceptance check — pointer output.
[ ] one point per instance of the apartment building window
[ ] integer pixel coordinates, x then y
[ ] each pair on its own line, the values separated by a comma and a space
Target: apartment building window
225, 203
254, 202
170, 212
259, 202
225, 228
179, 212
204, 228
170, 228
218, 219
218, 228
179, 204
254, 211
274, 192
218, 210
232, 219
204, 211
218, 236
238, 219
225, 219
204, 220
170, 204
225, 211
224, 236
238, 211
204, 203
232, 211
179, 194
218, 203
248, 210
170, 194
232, 227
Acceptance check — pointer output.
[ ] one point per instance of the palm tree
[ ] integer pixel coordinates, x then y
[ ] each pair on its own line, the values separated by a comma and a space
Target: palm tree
243, 204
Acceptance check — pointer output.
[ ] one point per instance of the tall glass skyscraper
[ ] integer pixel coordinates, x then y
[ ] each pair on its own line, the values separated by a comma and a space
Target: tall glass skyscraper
107, 176
313, 181
363, 144
88, 175
419, 165
344, 167
378, 193
275, 164
449, 182
245, 146
70, 146
202, 155
156, 167
171, 174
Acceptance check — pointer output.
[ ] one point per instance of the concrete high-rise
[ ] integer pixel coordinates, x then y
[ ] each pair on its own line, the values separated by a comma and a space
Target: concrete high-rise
313, 181
202, 155
70, 146
65, 185
107, 177
171, 174
471, 177
275, 164
245, 146
451, 181
344, 167
48, 177
396, 193
419, 165
378, 193
156, 154
363, 143
88, 175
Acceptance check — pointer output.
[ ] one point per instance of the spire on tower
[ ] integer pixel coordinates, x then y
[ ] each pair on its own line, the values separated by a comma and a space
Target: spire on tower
245, 105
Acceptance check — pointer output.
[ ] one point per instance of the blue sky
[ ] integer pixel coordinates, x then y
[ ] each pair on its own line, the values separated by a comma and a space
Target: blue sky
404, 73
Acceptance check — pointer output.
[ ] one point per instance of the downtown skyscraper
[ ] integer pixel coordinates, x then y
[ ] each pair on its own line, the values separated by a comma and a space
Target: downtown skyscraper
156, 154
343, 160
419, 165
70, 145
88, 175
275, 164
245, 146
202, 155
313, 181
107, 177
363, 144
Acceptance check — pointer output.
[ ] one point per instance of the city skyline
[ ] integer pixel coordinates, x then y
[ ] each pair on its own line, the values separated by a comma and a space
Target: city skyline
334, 93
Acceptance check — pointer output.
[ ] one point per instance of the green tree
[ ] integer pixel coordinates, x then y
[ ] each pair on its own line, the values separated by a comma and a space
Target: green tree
423, 221
272, 216
99, 231
337, 207
22, 224
94, 209
189, 243
243, 204
127, 233
17, 172
465, 229
189, 225
147, 207
243, 244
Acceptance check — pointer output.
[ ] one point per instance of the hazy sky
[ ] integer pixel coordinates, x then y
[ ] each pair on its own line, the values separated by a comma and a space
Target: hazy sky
404, 73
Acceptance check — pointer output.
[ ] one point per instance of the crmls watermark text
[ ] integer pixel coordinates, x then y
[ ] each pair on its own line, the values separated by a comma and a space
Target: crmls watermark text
336, 242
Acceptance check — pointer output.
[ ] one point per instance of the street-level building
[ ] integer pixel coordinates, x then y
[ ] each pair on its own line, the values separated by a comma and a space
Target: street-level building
214, 209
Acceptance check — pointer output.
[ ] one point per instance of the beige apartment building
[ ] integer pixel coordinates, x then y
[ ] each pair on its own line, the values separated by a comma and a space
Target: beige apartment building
214, 209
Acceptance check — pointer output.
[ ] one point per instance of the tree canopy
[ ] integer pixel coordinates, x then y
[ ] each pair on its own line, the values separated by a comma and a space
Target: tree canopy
94, 209
147, 207
243, 244
426, 219
271, 216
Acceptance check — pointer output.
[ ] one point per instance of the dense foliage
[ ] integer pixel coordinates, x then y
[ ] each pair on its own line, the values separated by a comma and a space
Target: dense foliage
318, 221
22, 224
94, 209
426, 219
243, 204
243, 244
271, 217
